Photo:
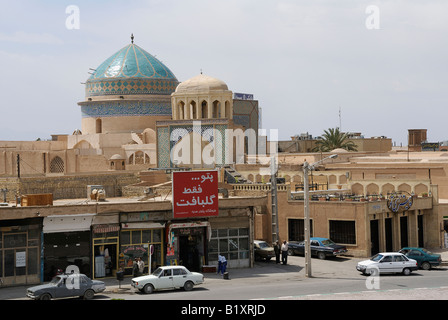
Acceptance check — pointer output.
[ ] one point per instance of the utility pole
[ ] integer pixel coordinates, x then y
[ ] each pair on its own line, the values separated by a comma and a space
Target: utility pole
274, 200
306, 193
18, 166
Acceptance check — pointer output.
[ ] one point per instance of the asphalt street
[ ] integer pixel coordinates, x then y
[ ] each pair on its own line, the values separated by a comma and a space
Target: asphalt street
333, 279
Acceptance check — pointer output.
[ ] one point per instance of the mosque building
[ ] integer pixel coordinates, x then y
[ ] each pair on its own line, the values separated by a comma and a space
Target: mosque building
134, 106
139, 124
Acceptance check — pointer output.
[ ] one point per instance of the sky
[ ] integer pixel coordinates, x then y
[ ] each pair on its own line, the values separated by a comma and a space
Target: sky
374, 67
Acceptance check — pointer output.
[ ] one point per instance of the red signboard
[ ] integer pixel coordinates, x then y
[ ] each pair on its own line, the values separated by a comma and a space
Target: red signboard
195, 194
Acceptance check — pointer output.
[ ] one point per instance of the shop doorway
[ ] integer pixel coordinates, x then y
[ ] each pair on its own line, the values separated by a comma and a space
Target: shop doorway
192, 248
388, 233
65, 249
404, 231
421, 242
106, 260
374, 237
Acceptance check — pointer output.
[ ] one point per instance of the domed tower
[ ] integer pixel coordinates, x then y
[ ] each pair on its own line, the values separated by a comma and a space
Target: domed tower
202, 97
128, 92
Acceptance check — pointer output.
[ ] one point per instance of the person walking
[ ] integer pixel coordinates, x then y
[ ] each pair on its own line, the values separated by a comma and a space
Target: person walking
277, 251
141, 266
135, 268
222, 264
285, 252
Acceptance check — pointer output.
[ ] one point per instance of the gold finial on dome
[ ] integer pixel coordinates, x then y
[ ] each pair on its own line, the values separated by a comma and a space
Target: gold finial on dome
132, 38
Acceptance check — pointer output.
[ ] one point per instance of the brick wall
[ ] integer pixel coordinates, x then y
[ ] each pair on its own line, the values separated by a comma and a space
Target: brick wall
68, 187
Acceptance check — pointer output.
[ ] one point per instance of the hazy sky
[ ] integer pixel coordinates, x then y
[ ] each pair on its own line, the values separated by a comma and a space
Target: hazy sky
304, 60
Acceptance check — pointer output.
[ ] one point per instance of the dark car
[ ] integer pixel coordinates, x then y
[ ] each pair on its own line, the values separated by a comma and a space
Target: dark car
67, 285
425, 259
262, 250
320, 247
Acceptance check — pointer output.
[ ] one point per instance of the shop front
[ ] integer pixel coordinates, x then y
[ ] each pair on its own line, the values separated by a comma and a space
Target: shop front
140, 237
188, 244
105, 250
67, 243
20, 251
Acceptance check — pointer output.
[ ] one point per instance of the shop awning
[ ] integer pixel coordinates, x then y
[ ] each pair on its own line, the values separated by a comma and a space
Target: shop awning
193, 225
68, 223
142, 225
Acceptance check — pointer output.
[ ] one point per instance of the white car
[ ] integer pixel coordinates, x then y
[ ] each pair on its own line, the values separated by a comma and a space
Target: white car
388, 262
168, 277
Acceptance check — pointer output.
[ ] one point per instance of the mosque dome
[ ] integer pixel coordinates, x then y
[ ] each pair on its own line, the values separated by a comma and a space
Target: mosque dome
201, 84
129, 71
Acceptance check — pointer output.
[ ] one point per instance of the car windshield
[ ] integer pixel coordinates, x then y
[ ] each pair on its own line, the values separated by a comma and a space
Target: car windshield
426, 251
377, 257
327, 242
263, 245
55, 281
157, 272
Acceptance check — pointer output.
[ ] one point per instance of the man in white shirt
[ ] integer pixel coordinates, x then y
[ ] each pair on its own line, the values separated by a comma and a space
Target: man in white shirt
284, 252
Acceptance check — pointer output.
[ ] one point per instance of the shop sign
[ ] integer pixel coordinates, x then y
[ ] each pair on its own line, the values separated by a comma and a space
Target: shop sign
195, 194
399, 202
20, 259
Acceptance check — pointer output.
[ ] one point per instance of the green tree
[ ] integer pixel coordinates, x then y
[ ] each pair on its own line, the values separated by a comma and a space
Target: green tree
334, 139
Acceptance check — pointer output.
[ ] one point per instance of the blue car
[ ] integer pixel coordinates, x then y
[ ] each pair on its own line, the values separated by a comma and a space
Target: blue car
425, 259
320, 247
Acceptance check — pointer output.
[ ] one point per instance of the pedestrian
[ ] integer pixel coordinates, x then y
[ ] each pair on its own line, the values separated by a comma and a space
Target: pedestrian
141, 266
135, 268
285, 252
222, 264
277, 251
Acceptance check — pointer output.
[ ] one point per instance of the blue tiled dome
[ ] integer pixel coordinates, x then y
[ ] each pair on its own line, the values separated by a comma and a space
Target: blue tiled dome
131, 70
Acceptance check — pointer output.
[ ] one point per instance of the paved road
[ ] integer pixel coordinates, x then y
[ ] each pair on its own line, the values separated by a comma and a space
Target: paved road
333, 279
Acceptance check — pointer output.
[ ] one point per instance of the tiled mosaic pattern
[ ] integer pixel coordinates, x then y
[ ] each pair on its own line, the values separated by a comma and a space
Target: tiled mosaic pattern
125, 108
130, 86
163, 147
131, 70
208, 133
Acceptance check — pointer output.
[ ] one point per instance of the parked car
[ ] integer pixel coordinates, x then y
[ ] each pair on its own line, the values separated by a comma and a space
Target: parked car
67, 285
262, 250
168, 277
425, 259
388, 262
320, 247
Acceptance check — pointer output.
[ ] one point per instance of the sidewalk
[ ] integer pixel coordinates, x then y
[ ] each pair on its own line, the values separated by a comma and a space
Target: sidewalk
260, 270
114, 286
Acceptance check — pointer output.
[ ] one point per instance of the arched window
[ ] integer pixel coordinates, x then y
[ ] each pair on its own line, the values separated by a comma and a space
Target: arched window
227, 109
98, 126
57, 165
180, 114
204, 109
216, 109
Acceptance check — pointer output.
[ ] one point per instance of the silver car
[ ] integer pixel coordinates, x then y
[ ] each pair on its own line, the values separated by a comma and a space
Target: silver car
168, 277
388, 262
67, 285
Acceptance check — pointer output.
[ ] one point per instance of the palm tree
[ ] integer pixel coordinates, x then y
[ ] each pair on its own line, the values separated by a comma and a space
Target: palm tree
333, 139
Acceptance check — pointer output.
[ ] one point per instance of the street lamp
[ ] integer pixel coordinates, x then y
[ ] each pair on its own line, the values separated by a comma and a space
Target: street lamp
306, 169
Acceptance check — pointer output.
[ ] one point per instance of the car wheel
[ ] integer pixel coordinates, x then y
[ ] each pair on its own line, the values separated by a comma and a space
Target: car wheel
88, 294
321, 255
188, 286
148, 288
290, 252
45, 296
406, 271
426, 265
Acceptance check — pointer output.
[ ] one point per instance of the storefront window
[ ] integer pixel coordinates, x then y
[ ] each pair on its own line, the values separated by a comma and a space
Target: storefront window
136, 244
232, 243
19, 253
